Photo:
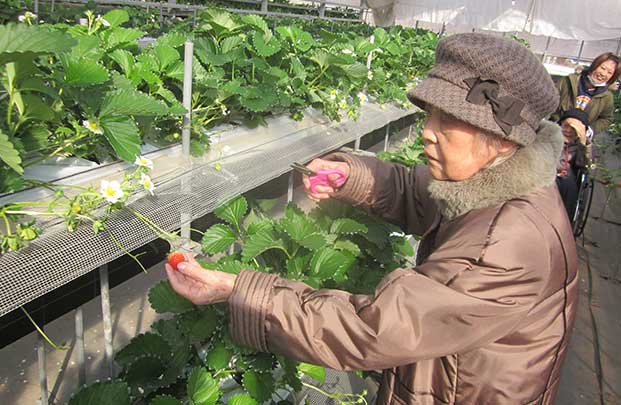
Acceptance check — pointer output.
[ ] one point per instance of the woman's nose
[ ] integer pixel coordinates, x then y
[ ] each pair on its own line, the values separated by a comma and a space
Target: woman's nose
429, 135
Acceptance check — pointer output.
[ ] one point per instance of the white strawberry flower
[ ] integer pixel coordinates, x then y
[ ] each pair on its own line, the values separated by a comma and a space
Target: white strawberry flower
343, 104
226, 150
147, 183
347, 51
370, 75
144, 162
362, 97
333, 94
103, 21
111, 191
388, 75
225, 111
93, 126
27, 17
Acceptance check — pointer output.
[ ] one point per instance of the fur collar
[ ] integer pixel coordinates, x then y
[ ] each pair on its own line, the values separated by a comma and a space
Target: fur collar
530, 168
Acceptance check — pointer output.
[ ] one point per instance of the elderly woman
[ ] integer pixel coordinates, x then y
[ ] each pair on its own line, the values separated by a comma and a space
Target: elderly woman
485, 316
590, 91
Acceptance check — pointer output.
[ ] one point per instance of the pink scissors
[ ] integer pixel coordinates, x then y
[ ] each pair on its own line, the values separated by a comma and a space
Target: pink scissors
320, 178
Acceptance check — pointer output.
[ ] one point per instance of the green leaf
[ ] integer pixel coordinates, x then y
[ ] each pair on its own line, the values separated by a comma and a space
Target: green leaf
23, 38
35, 138
261, 362
404, 247
147, 343
302, 40
296, 266
84, 72
242, 399
258, 243
327, 262
318, 373
104, 392
202, 388
36, 108
165, 400
348, 246
145, 374
218, 238
265, 44
219, 357
356, 70
116, 17
37, 85
123, 36
166, 55
9, 154
88, 47
381, 36
131, 102
347, 226
124, 59
222, 21
123, 135
233, 211
164, 299
230, 43
200, 324
174, 39
256, 21
325, 59
259, 385
230, 265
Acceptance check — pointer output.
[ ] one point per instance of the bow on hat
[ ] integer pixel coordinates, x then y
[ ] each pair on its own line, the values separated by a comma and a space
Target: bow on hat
506, 110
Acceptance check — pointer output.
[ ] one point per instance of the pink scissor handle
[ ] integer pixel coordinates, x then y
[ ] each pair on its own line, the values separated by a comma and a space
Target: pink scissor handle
321, 178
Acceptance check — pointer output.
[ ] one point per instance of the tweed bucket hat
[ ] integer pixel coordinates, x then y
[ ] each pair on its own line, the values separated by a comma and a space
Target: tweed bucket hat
493, 83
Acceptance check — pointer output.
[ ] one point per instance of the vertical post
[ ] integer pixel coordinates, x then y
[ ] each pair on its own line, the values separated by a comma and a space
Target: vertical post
618, 47
36, 8
107, 319
322, 9
264, 6
416, 24
161, 16
386, 137
194, 19
357, 144
290, 187
580, 51
79, 345
545, 51
443, 28
53, 3
185, 133
42, 369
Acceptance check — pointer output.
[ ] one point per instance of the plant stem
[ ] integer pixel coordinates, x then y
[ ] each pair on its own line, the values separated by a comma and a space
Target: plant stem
134, 257
7, 223
47, 339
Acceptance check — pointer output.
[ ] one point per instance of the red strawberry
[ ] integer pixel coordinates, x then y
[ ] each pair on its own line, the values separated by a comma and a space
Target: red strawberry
175, 258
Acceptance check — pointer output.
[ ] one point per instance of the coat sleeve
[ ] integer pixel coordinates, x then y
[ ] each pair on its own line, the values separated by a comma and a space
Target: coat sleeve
410, 317
605, 118
391, 191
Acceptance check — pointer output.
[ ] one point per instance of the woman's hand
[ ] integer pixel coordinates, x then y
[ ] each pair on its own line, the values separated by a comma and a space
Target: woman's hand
199, 285
323, 192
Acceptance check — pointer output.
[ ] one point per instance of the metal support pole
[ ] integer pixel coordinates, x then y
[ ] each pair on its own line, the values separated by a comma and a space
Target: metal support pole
79, 345
387, 137
618, 47
53, 3
290, 187
106, 317
194, 18
442, 30
357, 144
161, 16
264, 6
580, 51
186, 217
545, 51
42, 369
322, 9
36, 8
416, 24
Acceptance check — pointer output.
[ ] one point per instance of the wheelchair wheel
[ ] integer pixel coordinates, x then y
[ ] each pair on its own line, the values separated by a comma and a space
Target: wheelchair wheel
583, 205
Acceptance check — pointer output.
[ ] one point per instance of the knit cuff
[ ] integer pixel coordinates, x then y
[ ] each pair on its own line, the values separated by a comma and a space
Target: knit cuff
359, 185
248, 306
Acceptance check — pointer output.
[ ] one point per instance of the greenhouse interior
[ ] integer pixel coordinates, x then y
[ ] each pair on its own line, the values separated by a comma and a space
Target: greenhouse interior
310, 202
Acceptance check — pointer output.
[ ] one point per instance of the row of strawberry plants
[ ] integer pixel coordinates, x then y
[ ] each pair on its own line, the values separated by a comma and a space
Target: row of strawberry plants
188, 356
90, 90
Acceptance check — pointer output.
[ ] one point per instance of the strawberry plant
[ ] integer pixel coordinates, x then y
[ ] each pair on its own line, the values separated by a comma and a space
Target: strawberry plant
190, 356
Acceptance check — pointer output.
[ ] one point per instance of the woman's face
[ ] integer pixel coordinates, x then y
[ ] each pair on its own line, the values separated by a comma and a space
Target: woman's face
453, 148
603, 72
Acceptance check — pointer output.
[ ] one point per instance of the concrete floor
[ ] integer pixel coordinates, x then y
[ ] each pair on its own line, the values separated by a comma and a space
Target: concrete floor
591, 374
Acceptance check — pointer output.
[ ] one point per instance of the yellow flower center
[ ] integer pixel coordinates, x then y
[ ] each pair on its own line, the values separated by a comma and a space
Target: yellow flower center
110, 192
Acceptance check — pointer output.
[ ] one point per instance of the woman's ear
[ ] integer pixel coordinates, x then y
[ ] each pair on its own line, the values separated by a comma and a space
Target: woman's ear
506, 146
